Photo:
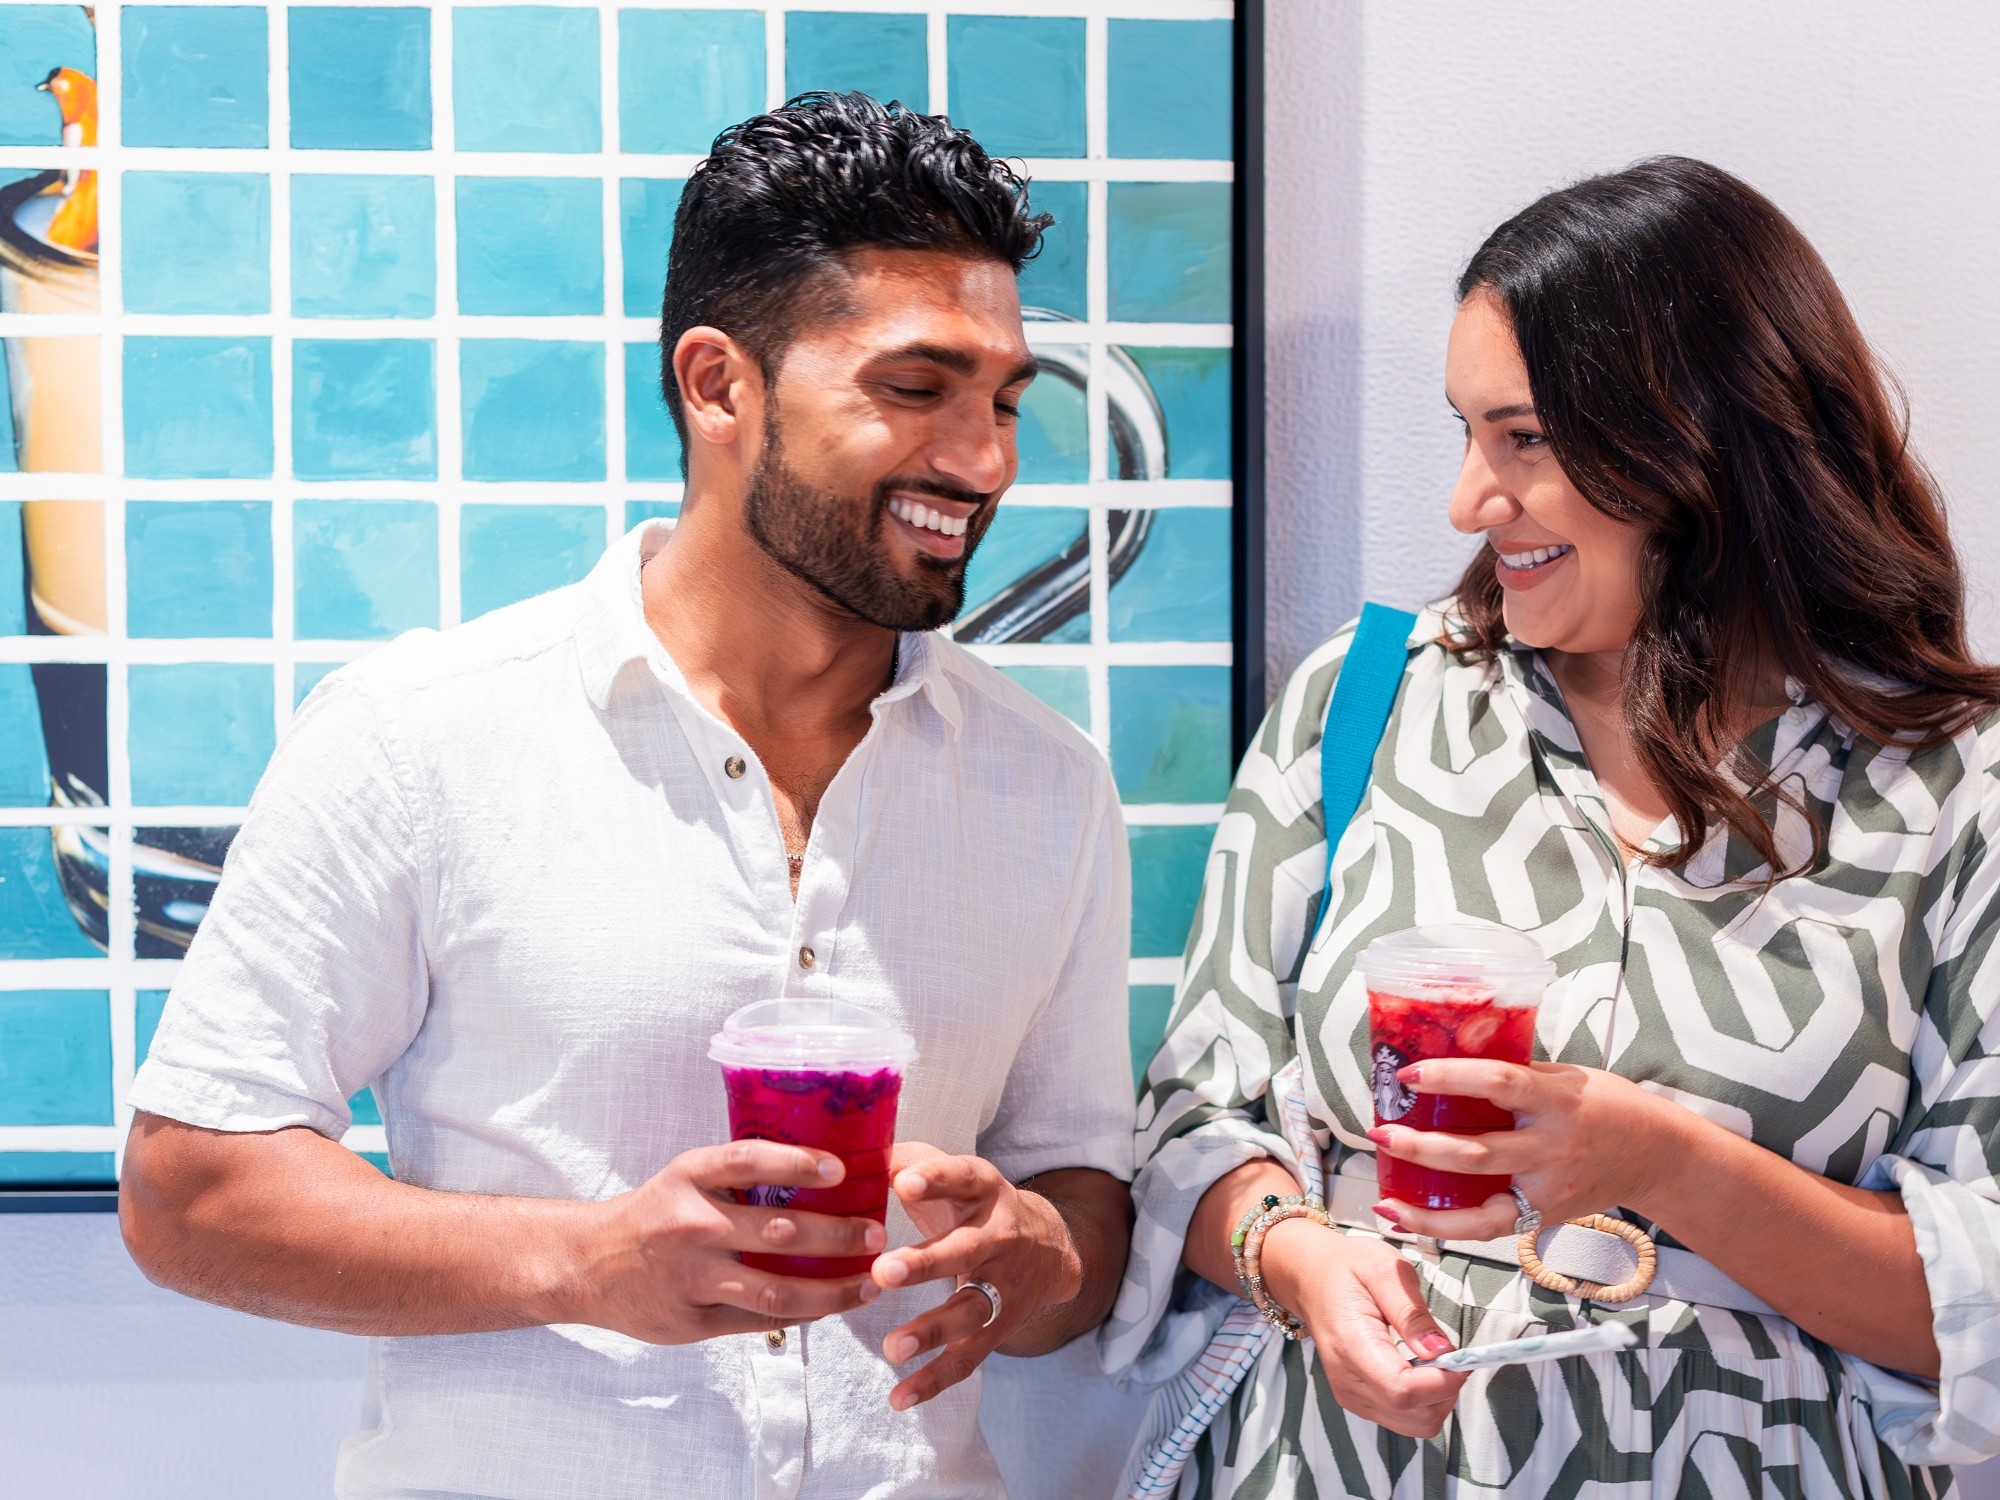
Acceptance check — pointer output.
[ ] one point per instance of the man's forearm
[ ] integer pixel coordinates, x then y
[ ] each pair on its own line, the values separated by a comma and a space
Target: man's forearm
1095, 1212
291, 1225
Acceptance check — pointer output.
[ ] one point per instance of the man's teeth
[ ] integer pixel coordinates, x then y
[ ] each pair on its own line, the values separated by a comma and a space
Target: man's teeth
1535, 558
930, 520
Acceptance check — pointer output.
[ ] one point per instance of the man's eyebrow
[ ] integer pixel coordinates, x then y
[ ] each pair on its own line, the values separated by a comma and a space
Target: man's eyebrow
1506, 413
958, 361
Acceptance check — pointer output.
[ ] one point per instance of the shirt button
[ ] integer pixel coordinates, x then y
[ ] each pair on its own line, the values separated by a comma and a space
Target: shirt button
734, 767
807, 958
776, 1339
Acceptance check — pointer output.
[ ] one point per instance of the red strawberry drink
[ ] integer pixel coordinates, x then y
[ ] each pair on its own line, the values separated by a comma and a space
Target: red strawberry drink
1451, 990
819, 1073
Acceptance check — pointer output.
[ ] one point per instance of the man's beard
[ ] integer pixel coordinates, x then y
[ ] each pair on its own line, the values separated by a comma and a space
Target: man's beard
835, 543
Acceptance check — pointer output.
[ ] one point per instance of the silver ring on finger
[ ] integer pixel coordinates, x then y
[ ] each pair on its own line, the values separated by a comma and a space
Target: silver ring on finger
987, 1290
1530, 1221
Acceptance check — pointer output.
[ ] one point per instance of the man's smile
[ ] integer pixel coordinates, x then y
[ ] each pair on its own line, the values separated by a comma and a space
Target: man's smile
936, 525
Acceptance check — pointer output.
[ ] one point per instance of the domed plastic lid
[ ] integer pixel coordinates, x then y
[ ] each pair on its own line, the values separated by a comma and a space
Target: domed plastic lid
799, 1035
1451, 955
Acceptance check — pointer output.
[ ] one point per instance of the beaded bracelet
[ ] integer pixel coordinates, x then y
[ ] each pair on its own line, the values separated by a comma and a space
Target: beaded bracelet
1246, 1247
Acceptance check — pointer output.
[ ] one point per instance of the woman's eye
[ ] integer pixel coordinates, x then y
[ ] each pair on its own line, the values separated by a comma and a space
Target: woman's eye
1528, 439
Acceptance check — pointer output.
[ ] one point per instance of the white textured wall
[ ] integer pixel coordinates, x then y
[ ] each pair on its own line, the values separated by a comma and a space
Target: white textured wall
1400, 134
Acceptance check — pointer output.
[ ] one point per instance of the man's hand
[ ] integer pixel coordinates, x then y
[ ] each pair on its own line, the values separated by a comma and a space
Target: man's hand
660, 1262
1054, 1255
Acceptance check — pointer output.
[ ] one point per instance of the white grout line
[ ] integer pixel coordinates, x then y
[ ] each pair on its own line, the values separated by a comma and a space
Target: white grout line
938, 64
615, 436
450, 434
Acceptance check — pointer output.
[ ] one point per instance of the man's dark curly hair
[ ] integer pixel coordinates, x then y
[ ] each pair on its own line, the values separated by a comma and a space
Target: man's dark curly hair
781, 197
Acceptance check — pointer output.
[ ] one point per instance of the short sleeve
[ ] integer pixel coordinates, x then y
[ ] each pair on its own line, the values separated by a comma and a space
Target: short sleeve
1067, 1101
1205, 1109
1947, 1158
307, 977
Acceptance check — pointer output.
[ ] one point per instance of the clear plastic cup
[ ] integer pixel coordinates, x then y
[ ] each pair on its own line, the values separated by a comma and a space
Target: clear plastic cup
1458, 989
819, 1073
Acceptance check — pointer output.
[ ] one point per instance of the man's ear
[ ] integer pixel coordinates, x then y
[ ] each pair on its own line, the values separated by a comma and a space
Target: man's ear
721, 385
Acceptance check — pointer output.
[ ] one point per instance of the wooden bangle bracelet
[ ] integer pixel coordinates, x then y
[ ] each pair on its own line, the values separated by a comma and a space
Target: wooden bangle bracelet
1570, 1286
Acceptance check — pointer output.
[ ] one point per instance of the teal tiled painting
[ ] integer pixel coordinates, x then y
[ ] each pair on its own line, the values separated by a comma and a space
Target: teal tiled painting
367, 346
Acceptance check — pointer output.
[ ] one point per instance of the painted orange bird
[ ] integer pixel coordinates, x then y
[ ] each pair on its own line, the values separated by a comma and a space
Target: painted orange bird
74, 225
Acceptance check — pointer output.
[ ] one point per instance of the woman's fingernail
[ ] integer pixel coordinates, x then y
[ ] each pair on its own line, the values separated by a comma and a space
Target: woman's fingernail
1384, 1211
873, 1238
1435, 1344
870, 1291
1412, 1075
1380, 1136
829, 1169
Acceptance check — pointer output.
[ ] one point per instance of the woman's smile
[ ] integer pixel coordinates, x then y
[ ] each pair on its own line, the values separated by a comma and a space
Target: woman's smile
1527, 567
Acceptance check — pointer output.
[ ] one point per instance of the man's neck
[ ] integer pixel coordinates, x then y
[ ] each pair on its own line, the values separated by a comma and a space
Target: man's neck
760, 648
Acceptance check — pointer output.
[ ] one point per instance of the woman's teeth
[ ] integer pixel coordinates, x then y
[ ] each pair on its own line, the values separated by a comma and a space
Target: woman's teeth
1536, 557
928, 519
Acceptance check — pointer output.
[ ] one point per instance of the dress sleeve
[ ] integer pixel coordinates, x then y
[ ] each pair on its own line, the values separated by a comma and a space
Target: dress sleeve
307, 978
1946, 1161
1204, 1110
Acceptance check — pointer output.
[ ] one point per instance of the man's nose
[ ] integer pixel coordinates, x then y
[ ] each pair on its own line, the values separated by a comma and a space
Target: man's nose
977, 455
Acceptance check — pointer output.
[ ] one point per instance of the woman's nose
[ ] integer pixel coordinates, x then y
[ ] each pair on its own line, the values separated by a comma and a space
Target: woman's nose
1479, 501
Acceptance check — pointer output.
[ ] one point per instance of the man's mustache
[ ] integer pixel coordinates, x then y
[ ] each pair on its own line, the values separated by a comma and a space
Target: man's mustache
934, 487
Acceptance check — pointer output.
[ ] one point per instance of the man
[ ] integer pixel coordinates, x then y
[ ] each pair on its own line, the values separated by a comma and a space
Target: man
515, 875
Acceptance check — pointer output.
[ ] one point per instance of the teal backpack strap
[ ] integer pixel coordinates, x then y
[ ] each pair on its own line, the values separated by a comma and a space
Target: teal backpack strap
1370, 675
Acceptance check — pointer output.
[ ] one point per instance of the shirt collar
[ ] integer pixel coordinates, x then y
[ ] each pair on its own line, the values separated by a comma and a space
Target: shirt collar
613, 634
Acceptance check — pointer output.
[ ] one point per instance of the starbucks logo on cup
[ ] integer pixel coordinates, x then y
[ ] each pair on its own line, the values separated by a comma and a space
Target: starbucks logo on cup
1392, 1099
771, 1197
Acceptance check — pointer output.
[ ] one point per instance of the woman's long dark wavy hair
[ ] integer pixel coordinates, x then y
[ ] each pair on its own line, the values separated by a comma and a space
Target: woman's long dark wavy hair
1699, 375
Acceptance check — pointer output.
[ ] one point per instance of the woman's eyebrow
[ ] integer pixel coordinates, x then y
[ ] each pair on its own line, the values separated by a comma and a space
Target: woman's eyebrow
1507, 413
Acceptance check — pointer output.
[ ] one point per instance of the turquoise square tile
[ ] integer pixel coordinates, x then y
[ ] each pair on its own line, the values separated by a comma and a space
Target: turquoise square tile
1152, 1007
1169, 251
363, 246
364, 409
197, 408
715, 61
883, 55
1192, 387
1065, 689
532, 409
1021, 539
524, 78
530, 245
13, 555
1167, 865
1055, 278
308, 675
652, 446
35, 920
34, 41
650, 510
146, 1021
200, 732
195, 75
646, 208
198, 568
513, 552
1017, 82
61, 1169
1170, 733
1169, 88
366, 1110
55, 1057
24, 758
1178, 587
197, 242
1052, 437
361, 78
363, 570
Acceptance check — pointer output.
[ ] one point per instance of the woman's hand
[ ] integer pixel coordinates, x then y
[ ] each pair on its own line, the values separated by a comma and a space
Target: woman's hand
1584, 1141
1356, 1295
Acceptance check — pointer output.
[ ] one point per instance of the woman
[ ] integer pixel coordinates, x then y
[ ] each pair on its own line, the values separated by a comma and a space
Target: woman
1701, 718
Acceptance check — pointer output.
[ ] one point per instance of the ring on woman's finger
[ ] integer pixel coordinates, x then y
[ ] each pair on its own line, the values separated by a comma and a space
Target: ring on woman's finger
987, 1290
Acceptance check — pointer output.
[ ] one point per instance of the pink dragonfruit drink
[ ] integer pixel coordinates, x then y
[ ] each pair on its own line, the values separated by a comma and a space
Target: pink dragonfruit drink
819, 1073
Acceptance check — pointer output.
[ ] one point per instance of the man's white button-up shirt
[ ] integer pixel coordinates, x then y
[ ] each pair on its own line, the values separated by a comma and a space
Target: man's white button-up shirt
514, 876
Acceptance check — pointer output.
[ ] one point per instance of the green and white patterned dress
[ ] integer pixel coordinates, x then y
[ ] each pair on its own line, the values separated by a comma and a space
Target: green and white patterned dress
1846, 1019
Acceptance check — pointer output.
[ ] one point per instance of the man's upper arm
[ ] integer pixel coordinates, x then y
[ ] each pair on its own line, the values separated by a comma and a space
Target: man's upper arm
306, 978
1069, 1096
